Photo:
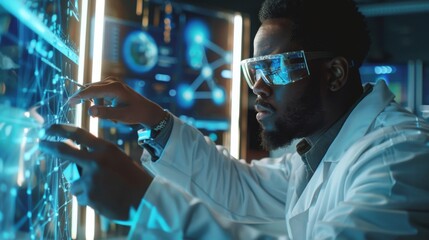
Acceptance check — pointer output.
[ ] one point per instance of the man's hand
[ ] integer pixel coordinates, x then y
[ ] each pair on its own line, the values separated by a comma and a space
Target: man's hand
116, 101
111, 182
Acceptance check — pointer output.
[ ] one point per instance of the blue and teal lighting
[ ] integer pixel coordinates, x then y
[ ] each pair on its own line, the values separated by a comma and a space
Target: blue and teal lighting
185, 96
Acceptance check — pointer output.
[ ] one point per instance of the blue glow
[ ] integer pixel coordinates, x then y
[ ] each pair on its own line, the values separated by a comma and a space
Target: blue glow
213, 137
13, 192
226, 74
27, 174
207, 72
185, 96
384, 70
195, 56
196, 31
71, 173
211, 125
196, 34
218, 95
121, 128
140, 52
21, 12
228, 57
162, 77
155, 219
172, 93
137, 84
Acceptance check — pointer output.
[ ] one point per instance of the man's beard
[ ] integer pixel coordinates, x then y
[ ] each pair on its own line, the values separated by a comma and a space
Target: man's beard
300, 119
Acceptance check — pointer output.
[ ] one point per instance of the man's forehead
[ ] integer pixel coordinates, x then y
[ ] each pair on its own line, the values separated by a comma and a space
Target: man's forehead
273, 37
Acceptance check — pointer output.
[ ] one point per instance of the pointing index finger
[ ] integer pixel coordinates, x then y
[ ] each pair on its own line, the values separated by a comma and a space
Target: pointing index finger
100, 90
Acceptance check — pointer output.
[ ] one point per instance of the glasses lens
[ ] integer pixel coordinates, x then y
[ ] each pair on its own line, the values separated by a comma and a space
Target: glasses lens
250, 74
279, 69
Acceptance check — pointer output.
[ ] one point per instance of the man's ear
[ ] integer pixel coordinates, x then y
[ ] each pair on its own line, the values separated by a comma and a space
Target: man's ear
338, 69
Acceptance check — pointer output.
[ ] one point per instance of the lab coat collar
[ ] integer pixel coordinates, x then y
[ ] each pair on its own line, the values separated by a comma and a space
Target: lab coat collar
360, 120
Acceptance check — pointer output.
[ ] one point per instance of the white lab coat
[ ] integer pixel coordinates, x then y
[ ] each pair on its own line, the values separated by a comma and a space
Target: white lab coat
373, 183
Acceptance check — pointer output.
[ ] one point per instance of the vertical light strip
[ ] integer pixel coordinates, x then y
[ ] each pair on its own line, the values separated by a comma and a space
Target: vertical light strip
236, 87
139, 8
97, 54
145, 19
90, 224
82, 51
74, 221
20, 178
96, 75
78, 113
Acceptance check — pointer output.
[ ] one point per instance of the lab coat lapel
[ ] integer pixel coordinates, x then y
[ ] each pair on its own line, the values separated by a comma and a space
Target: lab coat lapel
355, 126
307, 196
298, 218
360, 120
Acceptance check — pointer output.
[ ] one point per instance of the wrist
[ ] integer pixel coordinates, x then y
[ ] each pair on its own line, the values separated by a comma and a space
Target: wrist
160, 120
151, 133
151, 116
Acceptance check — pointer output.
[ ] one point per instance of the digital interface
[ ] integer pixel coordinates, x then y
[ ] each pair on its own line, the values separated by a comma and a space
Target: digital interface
182, 60
38, 72
395, 75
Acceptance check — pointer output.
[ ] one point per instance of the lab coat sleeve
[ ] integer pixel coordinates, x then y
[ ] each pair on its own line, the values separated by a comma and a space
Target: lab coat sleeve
247, 192
167, 212
386, 193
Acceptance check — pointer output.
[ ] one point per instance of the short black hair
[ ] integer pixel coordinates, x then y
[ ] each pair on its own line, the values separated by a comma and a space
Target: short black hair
324, 25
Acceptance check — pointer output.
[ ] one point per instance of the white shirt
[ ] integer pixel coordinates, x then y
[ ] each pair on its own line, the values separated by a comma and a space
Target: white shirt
372, 183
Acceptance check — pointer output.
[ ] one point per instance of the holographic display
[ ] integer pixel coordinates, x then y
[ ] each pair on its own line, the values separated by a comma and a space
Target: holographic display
38, 69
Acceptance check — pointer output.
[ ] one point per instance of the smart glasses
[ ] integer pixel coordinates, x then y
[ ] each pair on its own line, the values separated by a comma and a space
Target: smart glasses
279, 69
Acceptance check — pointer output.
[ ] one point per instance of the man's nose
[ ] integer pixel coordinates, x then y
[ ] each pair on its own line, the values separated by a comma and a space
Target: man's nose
261, 88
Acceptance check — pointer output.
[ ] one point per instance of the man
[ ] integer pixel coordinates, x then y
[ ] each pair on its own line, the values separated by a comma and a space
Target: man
360, 171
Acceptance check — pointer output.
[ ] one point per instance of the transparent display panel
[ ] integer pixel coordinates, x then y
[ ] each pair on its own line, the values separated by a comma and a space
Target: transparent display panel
38, 72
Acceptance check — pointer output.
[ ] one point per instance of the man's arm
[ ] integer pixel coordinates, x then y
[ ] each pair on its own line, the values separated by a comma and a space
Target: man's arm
114, 185
232, 187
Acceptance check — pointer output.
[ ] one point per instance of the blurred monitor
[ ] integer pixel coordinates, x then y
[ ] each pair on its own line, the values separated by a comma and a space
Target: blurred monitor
182, 60
39, 64
397, 77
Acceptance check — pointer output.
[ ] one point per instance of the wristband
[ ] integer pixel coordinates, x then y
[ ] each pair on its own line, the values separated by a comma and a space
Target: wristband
146, 134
